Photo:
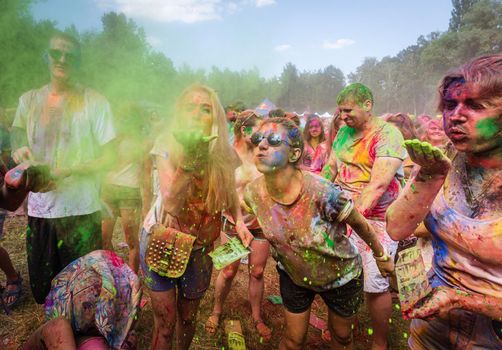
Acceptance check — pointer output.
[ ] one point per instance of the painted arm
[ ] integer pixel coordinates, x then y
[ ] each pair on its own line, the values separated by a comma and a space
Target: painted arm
245, 236
329, 171
384, 170
364, 230
339, 208
444, 299
410, 209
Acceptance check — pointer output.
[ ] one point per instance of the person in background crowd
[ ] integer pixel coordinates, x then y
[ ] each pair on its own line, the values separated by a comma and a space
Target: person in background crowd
232, 112
420, 124
434, 134
121, 192
366, 158
460, 202
315, 151
151, 186
70, 128
12, 293
247, 123
196, 167
277, 113
405, 125
92, 305
293, 117
304, 217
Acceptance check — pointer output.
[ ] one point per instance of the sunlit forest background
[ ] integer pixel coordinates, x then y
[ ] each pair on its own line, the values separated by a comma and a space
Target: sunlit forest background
118, 62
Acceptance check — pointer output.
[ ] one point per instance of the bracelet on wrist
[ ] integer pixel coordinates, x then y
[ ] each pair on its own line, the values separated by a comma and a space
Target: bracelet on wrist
345, 212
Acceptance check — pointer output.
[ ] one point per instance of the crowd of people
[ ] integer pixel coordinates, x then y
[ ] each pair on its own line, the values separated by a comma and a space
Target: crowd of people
329, 201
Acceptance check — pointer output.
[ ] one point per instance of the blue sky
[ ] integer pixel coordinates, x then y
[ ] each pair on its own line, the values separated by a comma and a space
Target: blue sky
242, 34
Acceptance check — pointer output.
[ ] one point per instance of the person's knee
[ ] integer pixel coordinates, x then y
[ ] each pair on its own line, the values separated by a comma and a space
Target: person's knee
165, 320
257, 272
229, 272
57, 323
57, 326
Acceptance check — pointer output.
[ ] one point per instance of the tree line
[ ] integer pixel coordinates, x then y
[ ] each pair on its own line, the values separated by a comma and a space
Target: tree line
119, 62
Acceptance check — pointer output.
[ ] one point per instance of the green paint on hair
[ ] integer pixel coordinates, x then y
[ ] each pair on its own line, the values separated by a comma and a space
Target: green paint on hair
357, 92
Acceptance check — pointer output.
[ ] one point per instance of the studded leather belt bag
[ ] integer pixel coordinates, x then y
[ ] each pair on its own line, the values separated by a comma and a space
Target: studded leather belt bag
168, 251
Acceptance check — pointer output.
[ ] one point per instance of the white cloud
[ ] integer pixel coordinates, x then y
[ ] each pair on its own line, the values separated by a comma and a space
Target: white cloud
186, 11
263, 3
283, 47
338, 44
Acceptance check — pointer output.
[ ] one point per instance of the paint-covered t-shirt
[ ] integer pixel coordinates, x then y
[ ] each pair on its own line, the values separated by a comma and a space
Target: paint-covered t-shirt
63, 132
311, 248
467, 251
313, 160
355, 156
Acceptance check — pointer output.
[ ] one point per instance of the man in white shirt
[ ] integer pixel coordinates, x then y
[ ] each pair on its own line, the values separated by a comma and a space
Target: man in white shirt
69, 128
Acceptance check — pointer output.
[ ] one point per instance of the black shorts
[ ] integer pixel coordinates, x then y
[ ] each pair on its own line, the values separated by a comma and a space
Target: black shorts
54, 243
343, 301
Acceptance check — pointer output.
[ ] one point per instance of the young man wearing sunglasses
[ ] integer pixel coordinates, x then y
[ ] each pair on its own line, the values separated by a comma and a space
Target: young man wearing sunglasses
304, 218
367, 154
69, 128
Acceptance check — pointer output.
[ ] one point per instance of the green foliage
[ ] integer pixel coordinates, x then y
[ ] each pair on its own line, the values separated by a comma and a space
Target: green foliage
119, 62
312, 91
460, 9
407, 82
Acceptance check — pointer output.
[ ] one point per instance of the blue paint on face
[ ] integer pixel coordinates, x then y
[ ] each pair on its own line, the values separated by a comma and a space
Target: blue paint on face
279, 158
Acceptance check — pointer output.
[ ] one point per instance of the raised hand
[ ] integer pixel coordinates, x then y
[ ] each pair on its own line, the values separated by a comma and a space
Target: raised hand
431, 160
192, 140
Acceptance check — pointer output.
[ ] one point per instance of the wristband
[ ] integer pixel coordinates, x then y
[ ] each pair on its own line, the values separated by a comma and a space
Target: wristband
384, 258
345, 212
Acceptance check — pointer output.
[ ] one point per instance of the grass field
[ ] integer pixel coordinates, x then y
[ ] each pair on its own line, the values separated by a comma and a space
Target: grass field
15, 328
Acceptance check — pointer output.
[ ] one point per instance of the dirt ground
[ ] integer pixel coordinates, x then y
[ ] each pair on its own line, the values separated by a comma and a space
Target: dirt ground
15, 328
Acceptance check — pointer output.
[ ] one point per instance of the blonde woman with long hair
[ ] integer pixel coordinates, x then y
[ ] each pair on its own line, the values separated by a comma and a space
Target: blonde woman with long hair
194, 160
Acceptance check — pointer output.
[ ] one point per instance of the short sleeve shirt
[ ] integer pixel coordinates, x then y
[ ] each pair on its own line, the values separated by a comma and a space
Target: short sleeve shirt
312, 249
355, 156
313, 160
71, 137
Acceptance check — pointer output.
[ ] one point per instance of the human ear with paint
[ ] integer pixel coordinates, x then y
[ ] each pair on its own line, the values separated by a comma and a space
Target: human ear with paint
294, 155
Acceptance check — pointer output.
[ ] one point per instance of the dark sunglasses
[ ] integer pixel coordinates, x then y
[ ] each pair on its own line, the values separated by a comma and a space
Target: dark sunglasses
57, 55
273, 139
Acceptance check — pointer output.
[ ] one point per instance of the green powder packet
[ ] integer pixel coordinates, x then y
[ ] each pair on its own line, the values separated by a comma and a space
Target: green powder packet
229, 252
